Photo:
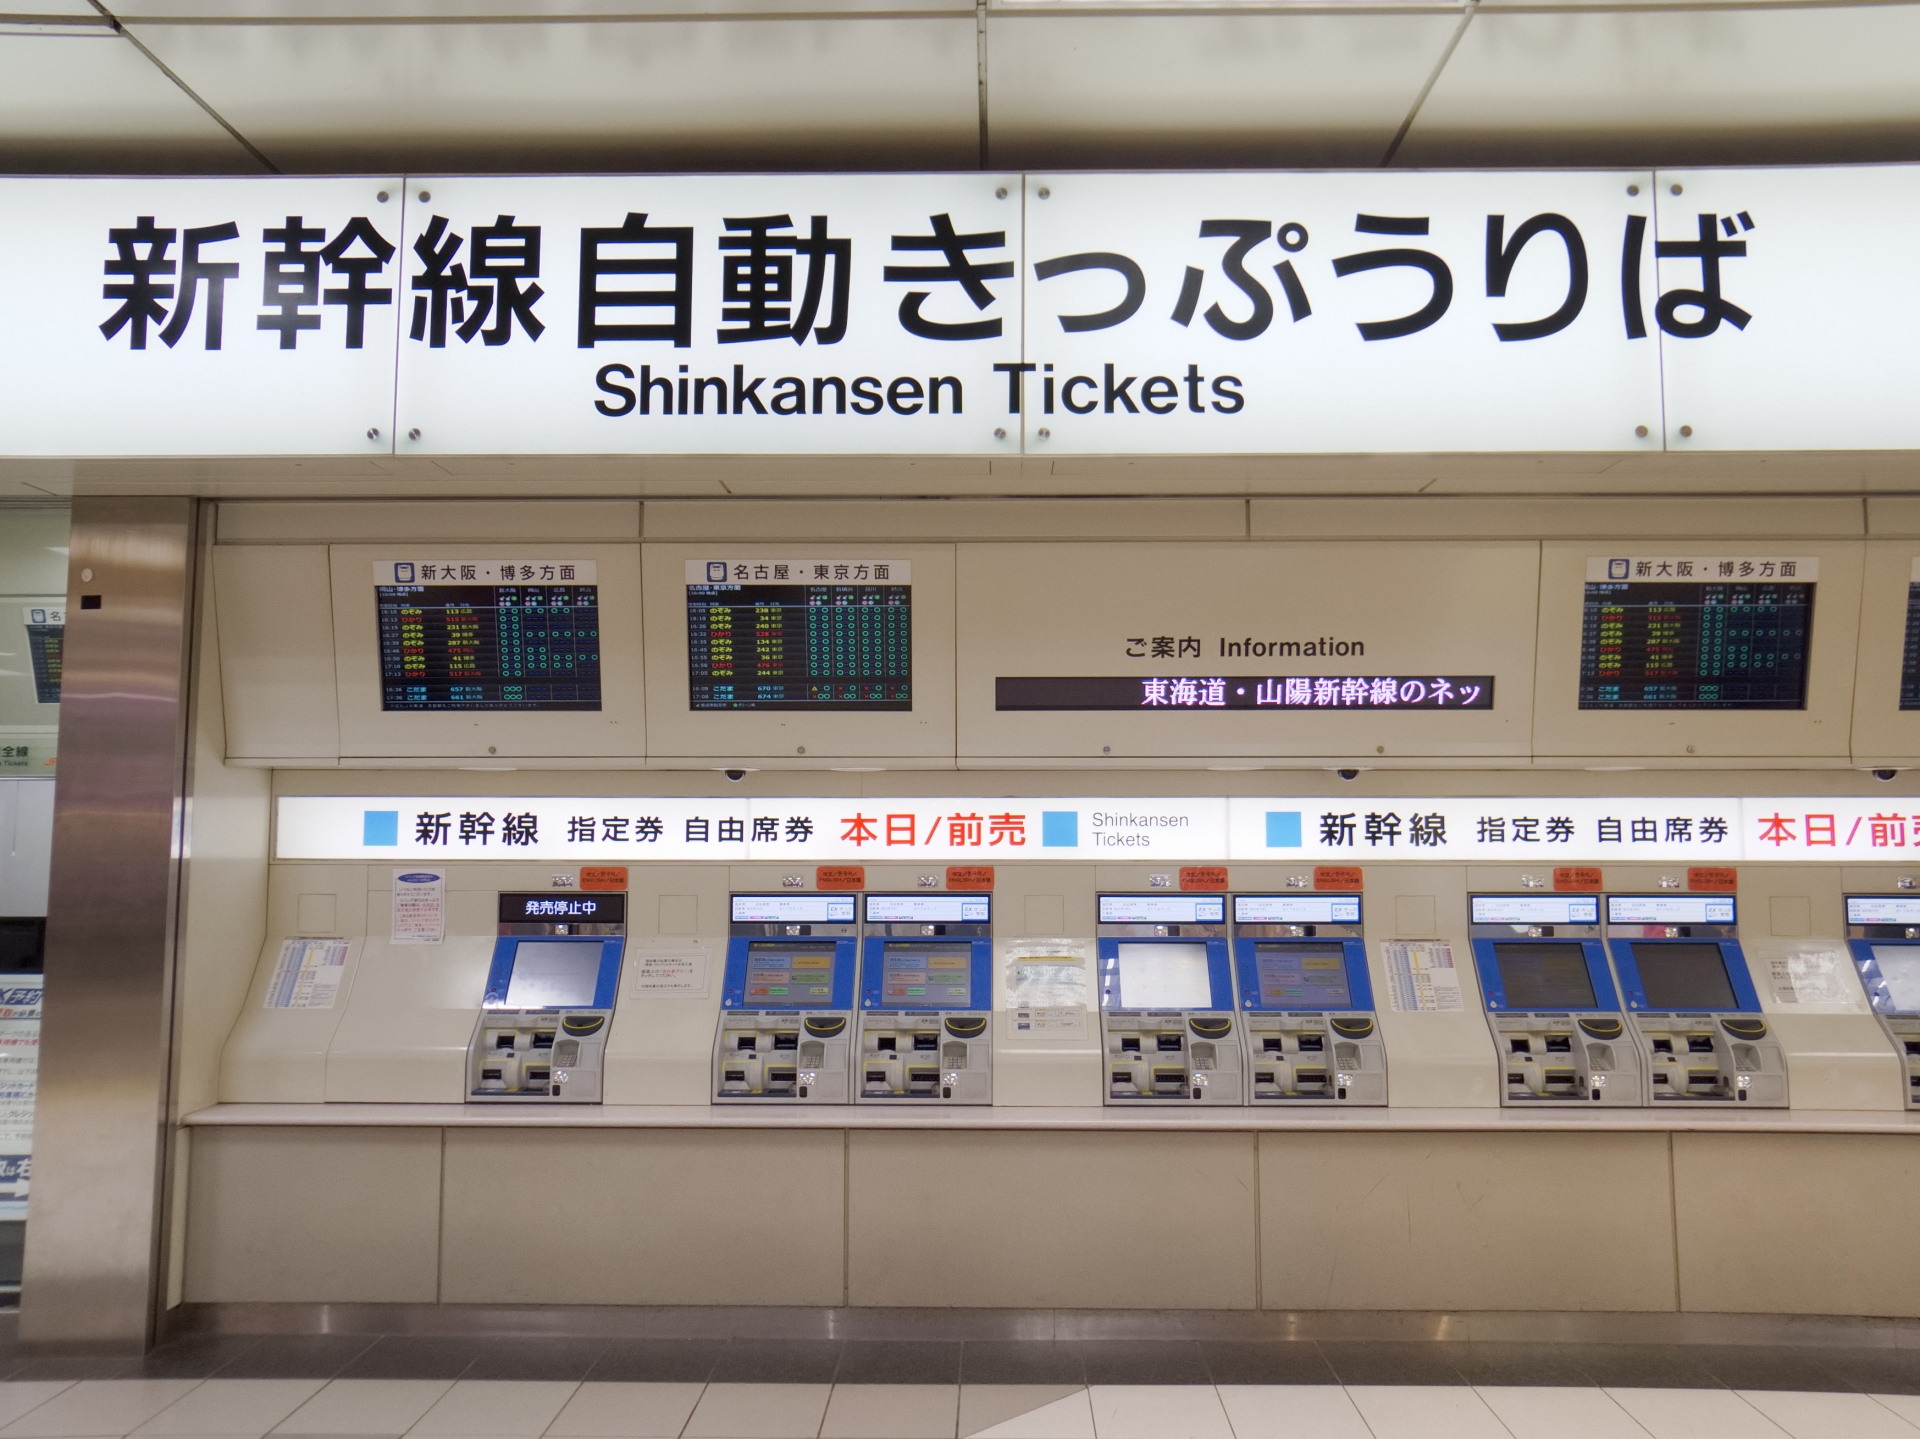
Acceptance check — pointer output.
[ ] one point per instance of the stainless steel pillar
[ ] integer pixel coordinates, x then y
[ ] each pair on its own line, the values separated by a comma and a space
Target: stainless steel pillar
94, 1249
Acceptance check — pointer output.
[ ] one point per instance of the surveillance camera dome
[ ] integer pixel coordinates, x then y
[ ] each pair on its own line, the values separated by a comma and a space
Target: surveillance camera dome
1348, 773
736, 775
1885, 773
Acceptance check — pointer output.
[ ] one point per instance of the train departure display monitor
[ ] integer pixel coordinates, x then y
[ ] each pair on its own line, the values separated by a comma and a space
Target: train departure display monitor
1684, 976
1714, 644
1302, 976
488, 635
1544, 976
799, 635
1910, 656
46, 632
928, 976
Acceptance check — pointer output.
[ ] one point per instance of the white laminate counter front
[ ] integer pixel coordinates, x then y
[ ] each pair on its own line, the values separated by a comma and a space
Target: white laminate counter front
866, 1117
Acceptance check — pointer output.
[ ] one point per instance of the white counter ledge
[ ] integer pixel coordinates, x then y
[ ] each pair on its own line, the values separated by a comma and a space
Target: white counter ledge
854, 1117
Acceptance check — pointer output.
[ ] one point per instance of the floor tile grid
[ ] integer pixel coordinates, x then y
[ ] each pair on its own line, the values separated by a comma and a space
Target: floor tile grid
507, 1409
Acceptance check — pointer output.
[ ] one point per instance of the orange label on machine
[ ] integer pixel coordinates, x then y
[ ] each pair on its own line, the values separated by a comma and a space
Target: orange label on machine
603, 876
1578, 878
840, 876
1713, 878
969, 876
1203, 876
1336, 876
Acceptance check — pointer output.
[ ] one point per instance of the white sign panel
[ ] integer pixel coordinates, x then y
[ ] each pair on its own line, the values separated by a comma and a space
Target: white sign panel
739, 314
1299, 312
205, 317
1699, 569
1787, 300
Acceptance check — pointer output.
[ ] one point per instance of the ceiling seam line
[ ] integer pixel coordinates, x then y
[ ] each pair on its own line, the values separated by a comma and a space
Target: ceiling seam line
1413, 113
185, 89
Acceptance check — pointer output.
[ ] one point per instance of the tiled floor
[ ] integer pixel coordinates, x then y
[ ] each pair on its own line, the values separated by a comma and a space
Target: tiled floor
446, 1408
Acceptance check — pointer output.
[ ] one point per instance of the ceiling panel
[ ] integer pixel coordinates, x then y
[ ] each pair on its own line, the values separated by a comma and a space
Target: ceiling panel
1707, 86
728, 94
89, 101
1205, 89
306, 12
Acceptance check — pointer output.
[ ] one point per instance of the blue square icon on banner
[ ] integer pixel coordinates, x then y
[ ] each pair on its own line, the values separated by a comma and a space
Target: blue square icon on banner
1060, 828
1283, 829
716, 572
380, 826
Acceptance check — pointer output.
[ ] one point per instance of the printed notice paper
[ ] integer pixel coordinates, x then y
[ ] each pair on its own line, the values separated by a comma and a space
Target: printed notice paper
1812, 977
669, 969
419, 906
1421, 978
308, 973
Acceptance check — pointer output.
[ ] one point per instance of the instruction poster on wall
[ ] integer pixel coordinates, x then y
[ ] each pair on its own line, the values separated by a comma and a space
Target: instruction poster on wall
307, 974
678, 968
20, 996
419, 906
1421, 977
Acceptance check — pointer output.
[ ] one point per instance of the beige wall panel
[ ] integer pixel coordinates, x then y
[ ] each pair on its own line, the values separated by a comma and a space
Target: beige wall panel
1883, 733
1466, 1221
1893, 515
1074, 1220
1527, 517
642, 1216
1797, 1223
959, 519
1061, 610
1441, 1060
1822, 729
426, 521
331, 1216
276, 652
679, 732
1043, 901
617, 728
660, 1049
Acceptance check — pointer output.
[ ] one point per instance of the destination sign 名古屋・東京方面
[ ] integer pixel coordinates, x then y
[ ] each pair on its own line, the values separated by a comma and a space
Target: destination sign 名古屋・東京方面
979, 314
1706, 832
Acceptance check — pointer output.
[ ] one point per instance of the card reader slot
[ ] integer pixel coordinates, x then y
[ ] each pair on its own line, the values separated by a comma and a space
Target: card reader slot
926, 1039
1168, 1043
1311, 1043
787, 1040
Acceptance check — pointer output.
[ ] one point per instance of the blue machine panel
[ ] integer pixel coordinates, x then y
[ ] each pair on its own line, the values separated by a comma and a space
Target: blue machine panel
1890, 973
1280, 975
926, 974
1165, 974
1531, 975
788, 974
1696, 975
554, 972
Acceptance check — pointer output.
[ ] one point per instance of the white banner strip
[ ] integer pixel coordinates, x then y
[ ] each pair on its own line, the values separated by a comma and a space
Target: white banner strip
817, 831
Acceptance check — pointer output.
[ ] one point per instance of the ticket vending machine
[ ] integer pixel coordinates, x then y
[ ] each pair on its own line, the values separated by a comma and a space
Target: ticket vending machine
1883, 932
1166, 1000
1306, 1000
542, 1032
926, 999
786, 1003
1691, 1002
1559, 1032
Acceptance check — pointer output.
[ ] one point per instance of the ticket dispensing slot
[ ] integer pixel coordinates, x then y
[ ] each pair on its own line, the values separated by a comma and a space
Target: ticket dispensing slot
786, 1007
1691, 1002
926, 999
1167, 1021
1306, 1000
1883, 932
1558, 1028
543, 1023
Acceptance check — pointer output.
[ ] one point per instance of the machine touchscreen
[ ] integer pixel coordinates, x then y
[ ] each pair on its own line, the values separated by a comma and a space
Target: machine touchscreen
789, 976
928, 976
1899, 966
1684, 976
1302, 976
1544, 976
554, 974
1164, 976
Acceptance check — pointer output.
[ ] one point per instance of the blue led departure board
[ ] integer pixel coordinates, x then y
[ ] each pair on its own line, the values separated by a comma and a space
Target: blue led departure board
488, 646
1729, 646
799, 646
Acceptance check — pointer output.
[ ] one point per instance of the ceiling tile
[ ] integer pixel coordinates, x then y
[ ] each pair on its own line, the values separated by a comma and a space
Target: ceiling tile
570, 97
1267, 89
1706, 86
